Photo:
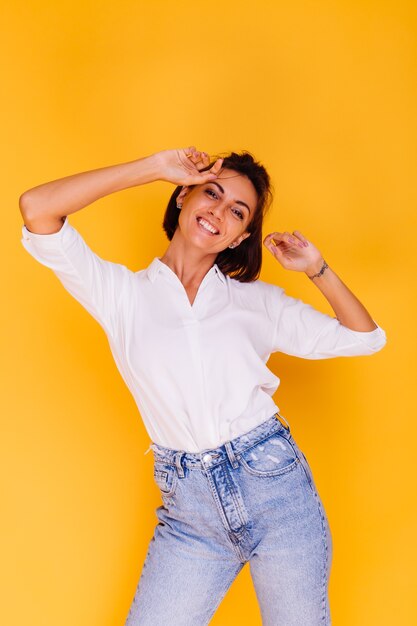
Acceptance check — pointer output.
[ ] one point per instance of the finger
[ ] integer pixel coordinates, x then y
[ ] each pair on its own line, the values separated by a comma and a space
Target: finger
269, 240
295, 240
301, 237
210, 174
291, 240
188, 152
216, 167
195, 156
203, 162
274, 237
205, 177
206, 159
185, 157
276, 252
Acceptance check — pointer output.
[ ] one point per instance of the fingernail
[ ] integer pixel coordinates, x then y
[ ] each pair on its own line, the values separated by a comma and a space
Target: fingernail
305, 244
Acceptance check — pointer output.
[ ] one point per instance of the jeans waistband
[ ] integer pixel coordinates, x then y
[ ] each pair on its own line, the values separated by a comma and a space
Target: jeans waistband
228, 450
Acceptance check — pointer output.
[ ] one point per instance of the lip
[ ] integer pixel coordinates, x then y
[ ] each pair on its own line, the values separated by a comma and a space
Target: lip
211, 224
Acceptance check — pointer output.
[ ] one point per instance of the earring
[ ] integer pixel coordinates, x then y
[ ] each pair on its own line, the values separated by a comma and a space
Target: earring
179, 206
232, 245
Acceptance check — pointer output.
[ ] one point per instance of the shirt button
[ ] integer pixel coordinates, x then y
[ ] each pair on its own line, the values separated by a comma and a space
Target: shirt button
207, 458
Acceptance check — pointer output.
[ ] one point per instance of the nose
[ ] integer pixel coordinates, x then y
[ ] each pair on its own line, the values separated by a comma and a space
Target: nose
217, 212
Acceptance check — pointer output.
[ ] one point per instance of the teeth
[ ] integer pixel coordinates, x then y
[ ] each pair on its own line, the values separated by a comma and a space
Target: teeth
207, 226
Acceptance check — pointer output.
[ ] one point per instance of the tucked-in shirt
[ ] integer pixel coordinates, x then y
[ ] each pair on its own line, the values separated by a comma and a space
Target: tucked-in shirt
198, 373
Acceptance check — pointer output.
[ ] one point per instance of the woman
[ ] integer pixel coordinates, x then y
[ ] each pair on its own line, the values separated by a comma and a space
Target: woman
191, 335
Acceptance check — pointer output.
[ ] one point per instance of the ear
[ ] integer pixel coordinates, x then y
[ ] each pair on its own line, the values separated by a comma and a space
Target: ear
241, 238
182, 194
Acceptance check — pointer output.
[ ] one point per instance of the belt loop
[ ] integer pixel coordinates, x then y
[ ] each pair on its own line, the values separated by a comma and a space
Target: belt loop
281, 417
233, 460
177, 460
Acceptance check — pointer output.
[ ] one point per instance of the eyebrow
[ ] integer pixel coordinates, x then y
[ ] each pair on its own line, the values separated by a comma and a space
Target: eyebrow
212, 182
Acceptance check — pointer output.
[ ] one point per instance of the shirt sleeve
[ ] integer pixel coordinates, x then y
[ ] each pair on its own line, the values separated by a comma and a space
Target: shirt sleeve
300, 330
100, 286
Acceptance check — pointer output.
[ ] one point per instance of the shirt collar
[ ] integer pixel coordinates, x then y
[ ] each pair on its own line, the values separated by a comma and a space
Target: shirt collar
157, 265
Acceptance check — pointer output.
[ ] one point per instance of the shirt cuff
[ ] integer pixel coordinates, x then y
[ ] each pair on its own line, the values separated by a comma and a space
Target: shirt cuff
29, 236
374, 339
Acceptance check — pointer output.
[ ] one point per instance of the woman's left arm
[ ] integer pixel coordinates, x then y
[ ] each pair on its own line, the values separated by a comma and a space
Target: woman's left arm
295, 252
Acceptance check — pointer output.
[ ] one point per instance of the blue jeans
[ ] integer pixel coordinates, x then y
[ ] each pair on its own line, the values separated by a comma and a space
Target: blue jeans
254, 500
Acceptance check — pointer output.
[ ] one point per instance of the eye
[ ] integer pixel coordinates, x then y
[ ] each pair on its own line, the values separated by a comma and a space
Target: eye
214, 195
238, 213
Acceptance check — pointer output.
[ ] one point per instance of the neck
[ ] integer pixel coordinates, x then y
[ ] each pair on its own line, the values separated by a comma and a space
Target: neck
188, 262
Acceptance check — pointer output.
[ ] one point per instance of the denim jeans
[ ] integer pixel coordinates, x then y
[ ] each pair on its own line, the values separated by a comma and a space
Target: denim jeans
253, 499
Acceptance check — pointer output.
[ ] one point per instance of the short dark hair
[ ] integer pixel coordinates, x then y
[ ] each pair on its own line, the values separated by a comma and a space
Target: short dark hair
243, 262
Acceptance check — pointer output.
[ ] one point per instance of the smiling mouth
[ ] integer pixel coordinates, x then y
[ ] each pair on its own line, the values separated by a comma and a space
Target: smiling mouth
206, 226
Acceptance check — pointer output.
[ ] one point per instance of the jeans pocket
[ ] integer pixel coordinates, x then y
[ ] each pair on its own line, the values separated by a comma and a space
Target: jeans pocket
271, 456
166, 477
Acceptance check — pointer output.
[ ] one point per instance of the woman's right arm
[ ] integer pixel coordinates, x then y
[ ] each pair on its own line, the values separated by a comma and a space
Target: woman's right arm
101, 286
45, 207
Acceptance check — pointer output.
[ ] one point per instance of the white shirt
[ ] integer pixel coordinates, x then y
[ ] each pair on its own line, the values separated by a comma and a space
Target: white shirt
198, 373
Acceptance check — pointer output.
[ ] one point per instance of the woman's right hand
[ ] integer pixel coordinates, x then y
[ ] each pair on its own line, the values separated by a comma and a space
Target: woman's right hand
182, 166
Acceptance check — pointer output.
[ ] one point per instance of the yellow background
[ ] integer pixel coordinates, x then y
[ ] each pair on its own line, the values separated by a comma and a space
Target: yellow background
324, 94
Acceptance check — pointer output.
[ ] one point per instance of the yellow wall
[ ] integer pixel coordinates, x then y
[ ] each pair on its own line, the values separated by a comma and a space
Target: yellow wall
324, 93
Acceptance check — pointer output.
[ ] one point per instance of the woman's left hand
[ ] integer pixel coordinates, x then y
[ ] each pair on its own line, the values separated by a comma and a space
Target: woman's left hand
294, 251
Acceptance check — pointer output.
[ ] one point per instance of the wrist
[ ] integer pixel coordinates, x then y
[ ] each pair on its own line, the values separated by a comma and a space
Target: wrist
146, 170
317, 269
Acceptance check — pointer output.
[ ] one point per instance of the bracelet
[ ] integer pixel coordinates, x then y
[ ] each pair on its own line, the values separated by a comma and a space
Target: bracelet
320, 272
